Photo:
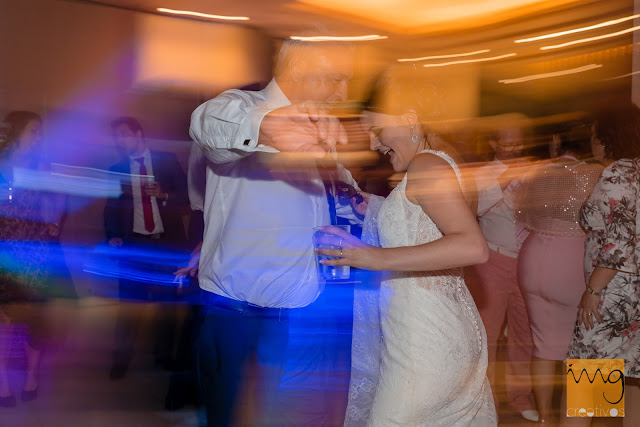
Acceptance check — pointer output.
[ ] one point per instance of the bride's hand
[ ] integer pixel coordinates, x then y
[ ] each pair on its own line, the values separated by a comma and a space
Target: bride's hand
353, 251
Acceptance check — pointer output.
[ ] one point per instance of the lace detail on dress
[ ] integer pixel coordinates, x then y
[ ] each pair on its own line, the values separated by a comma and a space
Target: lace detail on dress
418, 228
367, 336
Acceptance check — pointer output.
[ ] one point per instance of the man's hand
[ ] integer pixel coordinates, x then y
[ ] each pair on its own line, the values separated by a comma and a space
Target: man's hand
154, 190
191, 270
115, 242
360, 208
302, 128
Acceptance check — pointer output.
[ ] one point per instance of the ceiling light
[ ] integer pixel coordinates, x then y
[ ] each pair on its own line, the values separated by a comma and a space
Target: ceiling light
549, 75
202, 15
493, 58
455, 55
341, 39
591, 39
578, 30
623, 76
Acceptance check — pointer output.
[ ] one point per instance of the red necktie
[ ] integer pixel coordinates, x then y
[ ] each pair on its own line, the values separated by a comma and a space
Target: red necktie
147, 210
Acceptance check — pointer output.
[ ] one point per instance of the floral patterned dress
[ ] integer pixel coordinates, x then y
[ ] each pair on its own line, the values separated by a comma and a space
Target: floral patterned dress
611, 217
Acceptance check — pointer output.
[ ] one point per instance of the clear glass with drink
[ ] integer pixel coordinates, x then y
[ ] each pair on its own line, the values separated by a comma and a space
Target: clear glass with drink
323, 240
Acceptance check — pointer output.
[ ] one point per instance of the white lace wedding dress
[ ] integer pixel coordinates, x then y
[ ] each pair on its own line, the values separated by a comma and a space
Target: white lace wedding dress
433, 356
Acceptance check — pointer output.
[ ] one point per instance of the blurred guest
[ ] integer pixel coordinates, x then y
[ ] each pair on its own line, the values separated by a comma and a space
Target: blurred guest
29, 221
183, 383
258, 264
465, 140
550, 264
495, 287
196, 186
608, 321
145, 220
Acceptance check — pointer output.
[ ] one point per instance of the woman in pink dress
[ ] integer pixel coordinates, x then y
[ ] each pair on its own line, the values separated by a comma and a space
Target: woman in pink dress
550, 265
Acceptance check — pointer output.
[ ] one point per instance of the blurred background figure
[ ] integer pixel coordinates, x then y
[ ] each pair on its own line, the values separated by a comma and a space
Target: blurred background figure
608, 317
184, 383
550, 263
145, 222
495, 283
29, 224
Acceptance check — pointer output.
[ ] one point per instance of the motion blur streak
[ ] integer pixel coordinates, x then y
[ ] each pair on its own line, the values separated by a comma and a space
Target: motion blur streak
578, 30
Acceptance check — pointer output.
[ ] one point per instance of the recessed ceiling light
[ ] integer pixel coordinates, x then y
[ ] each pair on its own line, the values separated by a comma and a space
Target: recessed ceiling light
467, 61
549, 75
578, 30
455, 55
341, 39
592, 39
202, 15
623, 76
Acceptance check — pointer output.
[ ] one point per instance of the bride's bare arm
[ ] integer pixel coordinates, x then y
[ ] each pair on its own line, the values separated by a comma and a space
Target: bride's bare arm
432, 184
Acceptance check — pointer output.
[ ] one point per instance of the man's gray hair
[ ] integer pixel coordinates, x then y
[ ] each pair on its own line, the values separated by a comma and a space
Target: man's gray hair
291, 48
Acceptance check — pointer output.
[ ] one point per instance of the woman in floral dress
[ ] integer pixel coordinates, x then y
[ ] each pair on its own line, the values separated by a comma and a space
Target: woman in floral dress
608, 322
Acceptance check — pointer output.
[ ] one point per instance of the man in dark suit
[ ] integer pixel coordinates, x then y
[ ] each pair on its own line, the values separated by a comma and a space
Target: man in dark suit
145, 222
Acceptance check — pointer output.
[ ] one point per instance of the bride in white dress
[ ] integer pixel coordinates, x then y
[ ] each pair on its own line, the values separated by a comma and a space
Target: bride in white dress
434, 352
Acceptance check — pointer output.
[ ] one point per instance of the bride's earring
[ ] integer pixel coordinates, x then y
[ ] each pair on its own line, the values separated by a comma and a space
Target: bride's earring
414, 136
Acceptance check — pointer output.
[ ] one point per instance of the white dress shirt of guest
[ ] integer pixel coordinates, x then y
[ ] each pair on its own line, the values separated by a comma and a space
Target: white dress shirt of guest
137, 180
131, 144
498, 185
257, 244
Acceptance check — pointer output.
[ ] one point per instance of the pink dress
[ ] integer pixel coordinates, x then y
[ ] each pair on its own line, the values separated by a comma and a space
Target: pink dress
550, 265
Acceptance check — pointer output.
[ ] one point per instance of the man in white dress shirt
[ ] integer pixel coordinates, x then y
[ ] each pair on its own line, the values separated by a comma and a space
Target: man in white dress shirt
257, 263
496, 291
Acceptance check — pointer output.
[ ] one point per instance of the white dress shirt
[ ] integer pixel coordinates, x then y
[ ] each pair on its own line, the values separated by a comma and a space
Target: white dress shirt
258, 221
136, 178
496, 208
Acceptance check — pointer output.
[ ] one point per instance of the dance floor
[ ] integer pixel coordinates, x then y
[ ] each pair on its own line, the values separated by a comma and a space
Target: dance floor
75, 389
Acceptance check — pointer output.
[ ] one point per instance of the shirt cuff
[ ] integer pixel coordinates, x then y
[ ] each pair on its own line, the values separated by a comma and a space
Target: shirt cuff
249, 132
